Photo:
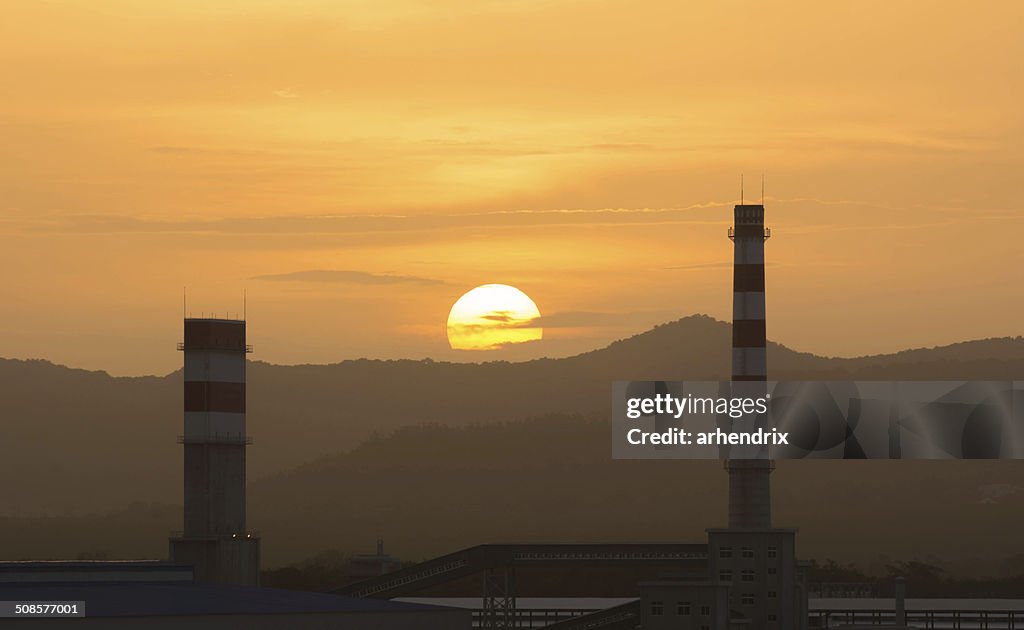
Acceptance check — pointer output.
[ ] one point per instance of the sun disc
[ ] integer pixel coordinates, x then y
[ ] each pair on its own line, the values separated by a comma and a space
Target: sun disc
492, 316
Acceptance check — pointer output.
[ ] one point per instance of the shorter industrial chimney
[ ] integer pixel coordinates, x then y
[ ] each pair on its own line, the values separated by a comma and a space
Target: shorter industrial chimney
215, 540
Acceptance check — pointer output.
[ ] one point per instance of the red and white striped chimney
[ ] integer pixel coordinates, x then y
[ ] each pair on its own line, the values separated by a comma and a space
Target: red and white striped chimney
215, 540
749, 467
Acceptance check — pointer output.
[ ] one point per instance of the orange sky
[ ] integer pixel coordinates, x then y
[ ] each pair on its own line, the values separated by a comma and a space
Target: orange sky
587, 152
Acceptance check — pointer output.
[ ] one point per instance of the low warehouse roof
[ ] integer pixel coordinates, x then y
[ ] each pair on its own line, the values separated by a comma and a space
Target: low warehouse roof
134, 599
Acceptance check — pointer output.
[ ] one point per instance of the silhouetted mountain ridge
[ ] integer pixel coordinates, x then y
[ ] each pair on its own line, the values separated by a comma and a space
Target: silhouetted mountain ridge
552, 478
429, 490
82, 440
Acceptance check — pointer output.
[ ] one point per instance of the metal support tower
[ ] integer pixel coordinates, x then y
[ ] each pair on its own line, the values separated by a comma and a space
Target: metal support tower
499, 605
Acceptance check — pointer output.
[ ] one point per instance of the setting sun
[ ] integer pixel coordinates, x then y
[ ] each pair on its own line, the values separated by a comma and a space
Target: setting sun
492, 316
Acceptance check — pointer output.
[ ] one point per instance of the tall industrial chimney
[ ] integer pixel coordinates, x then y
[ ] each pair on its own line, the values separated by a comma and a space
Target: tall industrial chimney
215, 540
750, 502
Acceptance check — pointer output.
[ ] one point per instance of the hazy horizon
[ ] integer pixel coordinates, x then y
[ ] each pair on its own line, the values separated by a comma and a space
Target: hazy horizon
512, 355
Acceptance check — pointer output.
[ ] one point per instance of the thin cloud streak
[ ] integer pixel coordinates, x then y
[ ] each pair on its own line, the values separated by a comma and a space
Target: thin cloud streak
364, 223
361, 223
601, 319
347, 276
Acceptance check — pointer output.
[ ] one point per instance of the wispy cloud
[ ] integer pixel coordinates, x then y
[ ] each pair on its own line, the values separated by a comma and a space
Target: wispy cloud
599, 319
498, 320
365, 223
347, 276
714, 265
706, 213
517, 344
504, 317
168, 148
701, 266
621, 146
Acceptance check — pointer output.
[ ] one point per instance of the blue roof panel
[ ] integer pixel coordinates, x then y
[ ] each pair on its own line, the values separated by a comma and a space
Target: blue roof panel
131, 599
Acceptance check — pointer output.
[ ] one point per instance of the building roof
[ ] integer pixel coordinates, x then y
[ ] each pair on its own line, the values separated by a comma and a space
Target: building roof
752, 530
135, 599
93, 570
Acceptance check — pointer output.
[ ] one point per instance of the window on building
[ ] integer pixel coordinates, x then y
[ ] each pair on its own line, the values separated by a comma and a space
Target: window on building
748, 575
773, 618
747, 552
683, 608
725, 575
705, 610
725, 552
772, 594
657, 608
773, 552
705, 628
747, 599
772, 570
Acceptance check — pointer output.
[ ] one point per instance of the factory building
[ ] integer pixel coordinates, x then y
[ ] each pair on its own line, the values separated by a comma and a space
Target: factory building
685, 605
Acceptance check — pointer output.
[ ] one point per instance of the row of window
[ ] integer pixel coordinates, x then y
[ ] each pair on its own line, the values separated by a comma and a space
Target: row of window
746, 575
747, 552
682, 608
747, 599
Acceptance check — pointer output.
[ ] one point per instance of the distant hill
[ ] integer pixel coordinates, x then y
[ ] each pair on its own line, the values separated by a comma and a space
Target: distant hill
85, 441
430, 490
433, 489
